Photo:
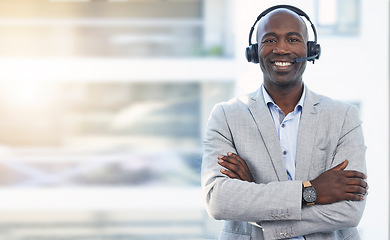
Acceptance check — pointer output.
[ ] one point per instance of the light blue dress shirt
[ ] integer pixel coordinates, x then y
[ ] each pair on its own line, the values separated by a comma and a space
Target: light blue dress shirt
287, 128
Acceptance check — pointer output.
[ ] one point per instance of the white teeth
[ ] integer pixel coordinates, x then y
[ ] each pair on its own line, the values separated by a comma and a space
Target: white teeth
282, 64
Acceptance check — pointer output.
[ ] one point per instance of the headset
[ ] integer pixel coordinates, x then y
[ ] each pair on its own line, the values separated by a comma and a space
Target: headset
313, 48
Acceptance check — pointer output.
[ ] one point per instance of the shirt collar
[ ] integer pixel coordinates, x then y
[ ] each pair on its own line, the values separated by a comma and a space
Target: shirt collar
268, 100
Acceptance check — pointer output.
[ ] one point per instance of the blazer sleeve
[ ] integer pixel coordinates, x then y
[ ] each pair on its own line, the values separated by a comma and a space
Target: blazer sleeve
340, 215
232, 199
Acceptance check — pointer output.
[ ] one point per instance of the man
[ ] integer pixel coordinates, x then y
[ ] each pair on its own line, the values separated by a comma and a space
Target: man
295, 161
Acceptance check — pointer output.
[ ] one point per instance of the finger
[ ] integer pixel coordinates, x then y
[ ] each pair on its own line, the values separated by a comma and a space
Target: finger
223, 160
237, 169
354, 174
357, 182
354, 197
239, 160
356, 190
234, 159
229, 174
233, 167
341, 166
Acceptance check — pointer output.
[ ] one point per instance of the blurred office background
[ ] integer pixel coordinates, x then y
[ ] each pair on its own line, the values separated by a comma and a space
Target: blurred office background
103, 105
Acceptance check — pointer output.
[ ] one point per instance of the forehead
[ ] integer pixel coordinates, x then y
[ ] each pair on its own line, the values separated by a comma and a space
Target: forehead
281, 21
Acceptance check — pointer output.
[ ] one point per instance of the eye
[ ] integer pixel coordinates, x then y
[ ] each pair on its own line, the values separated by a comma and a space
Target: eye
269, 40
294, 39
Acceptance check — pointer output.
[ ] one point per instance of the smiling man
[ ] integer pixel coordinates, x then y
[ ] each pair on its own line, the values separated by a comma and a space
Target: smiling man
284, 162
283, 38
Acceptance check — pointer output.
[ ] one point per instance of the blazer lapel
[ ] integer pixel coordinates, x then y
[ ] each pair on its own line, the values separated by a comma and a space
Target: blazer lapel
307, 130
266, 126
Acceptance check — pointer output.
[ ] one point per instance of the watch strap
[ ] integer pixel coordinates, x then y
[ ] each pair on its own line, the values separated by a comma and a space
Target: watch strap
306, 184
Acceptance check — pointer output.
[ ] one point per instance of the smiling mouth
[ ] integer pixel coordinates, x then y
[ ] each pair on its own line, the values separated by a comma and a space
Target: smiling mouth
283, 64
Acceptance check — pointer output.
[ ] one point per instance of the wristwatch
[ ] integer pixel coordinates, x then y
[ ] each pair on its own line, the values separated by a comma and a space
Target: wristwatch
309, 194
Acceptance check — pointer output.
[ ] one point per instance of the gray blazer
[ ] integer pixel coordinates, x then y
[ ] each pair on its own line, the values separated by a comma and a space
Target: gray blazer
329, 132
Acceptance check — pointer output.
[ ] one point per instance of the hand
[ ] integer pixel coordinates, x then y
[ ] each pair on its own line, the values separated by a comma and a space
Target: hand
236, 167
337, 185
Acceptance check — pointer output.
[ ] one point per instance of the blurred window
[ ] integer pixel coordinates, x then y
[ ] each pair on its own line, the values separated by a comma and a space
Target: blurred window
338, 17
149, 28
103, 134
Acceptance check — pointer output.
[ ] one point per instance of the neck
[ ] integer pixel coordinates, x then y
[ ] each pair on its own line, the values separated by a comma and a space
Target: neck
285, 98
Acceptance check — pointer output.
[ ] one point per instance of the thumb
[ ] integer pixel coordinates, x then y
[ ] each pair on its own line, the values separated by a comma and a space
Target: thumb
341, 166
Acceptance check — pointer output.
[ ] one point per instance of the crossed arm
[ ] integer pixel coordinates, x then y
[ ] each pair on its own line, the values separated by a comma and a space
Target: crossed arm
332, 186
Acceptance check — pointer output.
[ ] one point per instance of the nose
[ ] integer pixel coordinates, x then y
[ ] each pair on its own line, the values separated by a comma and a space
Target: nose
281, 49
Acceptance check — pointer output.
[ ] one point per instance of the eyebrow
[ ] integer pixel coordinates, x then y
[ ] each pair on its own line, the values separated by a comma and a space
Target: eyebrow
273, 34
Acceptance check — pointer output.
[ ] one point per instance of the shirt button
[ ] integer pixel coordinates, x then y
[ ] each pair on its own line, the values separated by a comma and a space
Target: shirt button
283, 125
284, 152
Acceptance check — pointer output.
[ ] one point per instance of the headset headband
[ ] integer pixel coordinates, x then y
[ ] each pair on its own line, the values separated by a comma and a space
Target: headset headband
289, 7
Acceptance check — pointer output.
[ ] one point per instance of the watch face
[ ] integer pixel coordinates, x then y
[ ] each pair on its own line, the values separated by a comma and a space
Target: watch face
309, 195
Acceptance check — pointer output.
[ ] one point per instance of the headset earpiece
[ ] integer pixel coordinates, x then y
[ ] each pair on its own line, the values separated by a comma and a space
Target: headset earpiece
313, 49
251, 53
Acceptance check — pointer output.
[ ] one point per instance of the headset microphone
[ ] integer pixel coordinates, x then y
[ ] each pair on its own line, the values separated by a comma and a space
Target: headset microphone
302, 59
305, 58
313, 48
311, 58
